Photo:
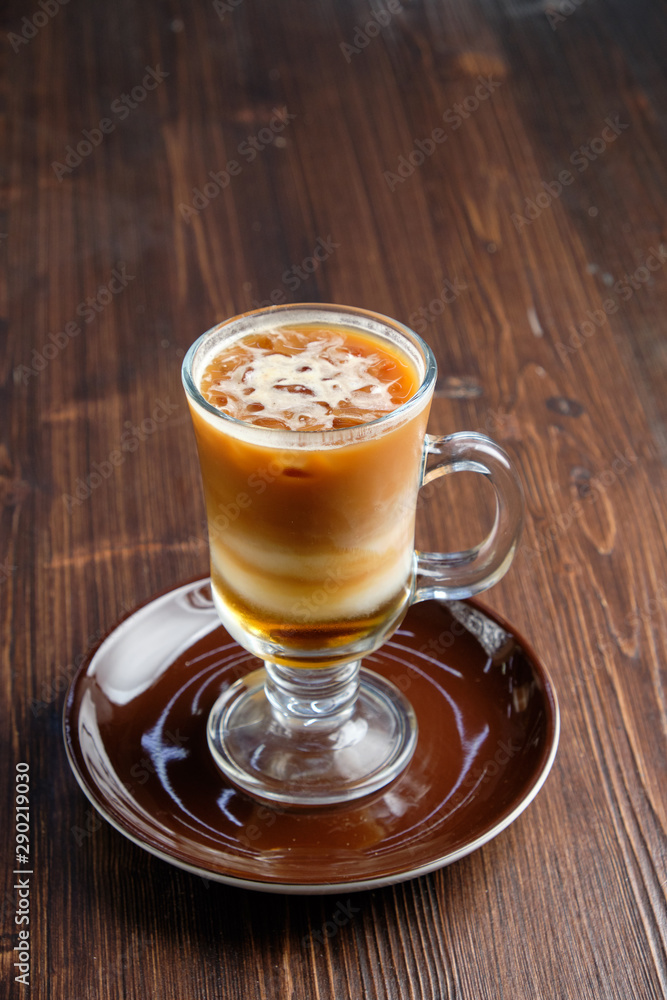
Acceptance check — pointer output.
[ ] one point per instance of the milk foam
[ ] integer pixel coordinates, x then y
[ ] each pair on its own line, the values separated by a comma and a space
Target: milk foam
302, 381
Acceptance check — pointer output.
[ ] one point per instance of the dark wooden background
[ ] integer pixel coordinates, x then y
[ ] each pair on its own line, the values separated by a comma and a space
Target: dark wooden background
570, 901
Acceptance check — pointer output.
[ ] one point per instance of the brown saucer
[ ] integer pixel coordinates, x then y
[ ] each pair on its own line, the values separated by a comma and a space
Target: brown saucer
135, 731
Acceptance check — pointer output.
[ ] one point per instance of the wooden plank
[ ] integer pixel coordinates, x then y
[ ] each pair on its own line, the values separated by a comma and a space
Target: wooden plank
550, 336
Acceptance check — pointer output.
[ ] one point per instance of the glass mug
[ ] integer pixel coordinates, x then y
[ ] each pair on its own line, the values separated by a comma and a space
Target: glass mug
313, 566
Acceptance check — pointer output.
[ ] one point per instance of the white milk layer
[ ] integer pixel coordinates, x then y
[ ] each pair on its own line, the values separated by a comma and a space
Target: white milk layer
309, 586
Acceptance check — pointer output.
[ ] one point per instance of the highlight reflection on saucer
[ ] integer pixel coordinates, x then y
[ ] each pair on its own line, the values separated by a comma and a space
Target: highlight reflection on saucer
135, 730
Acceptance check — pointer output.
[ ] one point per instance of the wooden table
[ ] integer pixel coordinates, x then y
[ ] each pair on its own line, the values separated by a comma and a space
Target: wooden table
493, 174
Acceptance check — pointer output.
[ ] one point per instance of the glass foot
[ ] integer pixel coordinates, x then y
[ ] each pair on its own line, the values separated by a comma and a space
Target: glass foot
312, 737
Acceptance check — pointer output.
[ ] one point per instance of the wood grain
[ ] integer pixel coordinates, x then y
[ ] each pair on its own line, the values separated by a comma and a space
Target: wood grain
554, 344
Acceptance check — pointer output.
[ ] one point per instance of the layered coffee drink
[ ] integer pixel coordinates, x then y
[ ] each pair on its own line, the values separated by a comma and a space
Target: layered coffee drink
311, 464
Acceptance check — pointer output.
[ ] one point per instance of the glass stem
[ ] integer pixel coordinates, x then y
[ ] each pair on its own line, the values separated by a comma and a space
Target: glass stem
320, 699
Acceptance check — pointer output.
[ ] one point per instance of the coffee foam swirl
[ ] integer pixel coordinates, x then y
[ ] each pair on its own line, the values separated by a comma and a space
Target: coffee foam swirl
320, 380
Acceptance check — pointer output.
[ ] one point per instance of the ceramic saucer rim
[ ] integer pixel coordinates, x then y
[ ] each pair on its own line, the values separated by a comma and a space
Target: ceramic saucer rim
174, 858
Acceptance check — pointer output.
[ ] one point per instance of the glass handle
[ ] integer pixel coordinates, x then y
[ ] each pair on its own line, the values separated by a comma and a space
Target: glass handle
455, 575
